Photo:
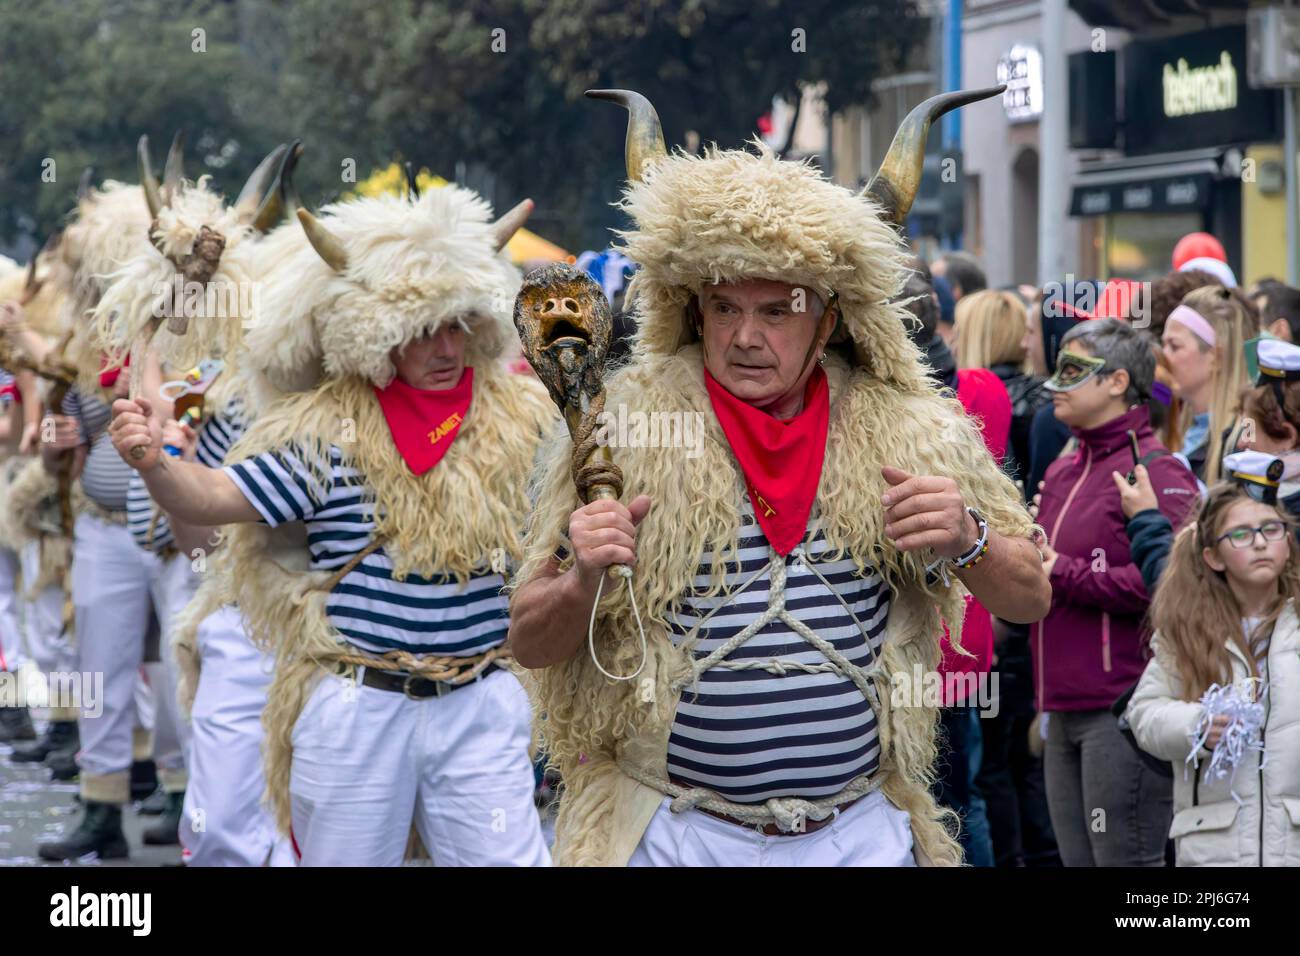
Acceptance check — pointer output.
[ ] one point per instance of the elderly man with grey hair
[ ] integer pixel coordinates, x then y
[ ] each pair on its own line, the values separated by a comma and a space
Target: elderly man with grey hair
1088, 651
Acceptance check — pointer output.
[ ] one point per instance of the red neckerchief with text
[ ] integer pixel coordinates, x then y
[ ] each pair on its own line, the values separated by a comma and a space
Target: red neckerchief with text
781, 460
424, 422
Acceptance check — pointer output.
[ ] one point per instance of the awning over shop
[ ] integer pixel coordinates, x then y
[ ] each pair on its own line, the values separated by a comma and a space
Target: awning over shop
1153, 184
526, 246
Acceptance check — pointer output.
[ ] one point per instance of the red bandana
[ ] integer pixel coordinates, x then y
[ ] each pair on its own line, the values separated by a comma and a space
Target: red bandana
108, 376
424, 423
781, 460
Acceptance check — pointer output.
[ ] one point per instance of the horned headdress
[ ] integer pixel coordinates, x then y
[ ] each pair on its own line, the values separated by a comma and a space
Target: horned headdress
730, 215
377, 273
192, 294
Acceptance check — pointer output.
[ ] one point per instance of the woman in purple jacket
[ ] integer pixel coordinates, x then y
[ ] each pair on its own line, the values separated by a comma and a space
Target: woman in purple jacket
1107, 807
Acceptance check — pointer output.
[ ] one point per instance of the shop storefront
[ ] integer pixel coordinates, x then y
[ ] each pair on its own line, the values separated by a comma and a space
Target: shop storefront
1195, 140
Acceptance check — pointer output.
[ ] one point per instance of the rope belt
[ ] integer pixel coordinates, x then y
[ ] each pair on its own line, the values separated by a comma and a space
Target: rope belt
787, 813
93, 508
449, 670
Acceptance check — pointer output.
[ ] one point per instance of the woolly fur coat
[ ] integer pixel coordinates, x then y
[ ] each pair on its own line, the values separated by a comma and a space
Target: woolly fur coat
723, 217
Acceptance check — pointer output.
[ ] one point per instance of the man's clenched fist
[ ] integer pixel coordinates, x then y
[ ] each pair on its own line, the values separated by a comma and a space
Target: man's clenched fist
603, 534
134, 425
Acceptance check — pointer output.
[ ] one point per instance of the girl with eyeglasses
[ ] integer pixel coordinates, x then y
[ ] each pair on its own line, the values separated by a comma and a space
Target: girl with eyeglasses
1225, 613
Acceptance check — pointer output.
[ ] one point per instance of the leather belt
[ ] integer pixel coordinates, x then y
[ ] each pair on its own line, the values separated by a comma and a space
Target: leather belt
416, 687
771, 829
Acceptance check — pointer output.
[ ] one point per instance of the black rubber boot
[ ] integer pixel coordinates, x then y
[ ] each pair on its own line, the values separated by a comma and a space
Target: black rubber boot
153, 804
15, 725
166, 831
99, 831
59, 735
144, 779
63, 765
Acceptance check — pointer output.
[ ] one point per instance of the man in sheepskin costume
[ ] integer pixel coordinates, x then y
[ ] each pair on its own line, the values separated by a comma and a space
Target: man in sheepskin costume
215, 807
32, 519
791, 576
115, 585
405, 462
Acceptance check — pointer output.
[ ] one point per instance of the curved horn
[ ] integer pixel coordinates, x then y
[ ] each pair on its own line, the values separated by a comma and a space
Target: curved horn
282, 200
895, 183
250, 197
412, 183
325, 243
174, 171
148, 181
510, 223
86, 183
645, 136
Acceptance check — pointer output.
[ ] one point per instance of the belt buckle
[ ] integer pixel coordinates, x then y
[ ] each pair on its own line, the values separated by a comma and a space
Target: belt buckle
440, 688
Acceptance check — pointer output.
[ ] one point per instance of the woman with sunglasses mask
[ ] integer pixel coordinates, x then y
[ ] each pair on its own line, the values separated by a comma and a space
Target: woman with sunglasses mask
1089, 649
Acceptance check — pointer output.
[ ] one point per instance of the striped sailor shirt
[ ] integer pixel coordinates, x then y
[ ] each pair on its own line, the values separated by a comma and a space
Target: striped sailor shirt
751, 735
105, 477
370, 608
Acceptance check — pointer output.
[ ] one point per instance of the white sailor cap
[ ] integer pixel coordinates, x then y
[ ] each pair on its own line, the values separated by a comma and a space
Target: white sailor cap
1278, 360
1259, 473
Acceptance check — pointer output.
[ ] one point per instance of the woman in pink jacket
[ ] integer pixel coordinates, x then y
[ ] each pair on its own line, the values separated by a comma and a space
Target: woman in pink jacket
1107, 807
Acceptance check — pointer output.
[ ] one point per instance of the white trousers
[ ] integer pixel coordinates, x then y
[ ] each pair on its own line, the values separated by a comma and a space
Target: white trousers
46, 644
225, 821
872, 832
367, 762
11, 651
114, 584
171, 733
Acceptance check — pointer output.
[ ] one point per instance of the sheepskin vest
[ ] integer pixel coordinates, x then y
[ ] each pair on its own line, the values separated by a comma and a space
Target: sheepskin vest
450, 520
590, 725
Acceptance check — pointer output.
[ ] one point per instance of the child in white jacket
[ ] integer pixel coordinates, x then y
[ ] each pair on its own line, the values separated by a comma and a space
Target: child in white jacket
1225, 613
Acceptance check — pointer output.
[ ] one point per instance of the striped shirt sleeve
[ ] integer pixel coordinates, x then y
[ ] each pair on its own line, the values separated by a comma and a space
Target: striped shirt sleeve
219, 433
279, 485
140, 520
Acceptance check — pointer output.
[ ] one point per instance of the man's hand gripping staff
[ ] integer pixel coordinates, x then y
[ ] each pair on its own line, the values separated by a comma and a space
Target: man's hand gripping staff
564, 325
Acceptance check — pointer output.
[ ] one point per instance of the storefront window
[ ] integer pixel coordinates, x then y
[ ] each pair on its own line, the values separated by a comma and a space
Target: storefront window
1140, 245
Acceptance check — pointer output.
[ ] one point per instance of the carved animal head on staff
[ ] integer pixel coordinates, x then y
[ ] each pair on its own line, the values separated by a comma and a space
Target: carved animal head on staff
564, 324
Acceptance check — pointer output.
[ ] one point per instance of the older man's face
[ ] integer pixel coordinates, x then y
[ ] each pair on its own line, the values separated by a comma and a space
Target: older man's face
762, 339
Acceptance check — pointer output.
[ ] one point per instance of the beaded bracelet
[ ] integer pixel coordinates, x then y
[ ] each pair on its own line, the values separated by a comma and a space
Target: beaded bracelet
979, 549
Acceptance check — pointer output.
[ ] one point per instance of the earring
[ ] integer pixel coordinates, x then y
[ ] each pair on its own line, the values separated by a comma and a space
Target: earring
821, 359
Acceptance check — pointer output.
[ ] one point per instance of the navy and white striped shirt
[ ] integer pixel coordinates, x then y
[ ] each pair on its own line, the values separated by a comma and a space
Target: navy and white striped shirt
752, 735
105, 477
370, 608
216, 435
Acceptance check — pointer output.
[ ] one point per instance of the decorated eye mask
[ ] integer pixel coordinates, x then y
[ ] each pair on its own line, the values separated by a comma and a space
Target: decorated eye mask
1072, 370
